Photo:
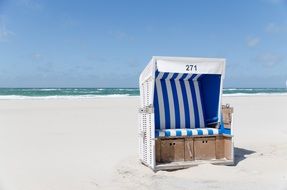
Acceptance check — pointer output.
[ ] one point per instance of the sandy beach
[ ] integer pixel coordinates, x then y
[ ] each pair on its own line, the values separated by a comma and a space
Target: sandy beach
92, 144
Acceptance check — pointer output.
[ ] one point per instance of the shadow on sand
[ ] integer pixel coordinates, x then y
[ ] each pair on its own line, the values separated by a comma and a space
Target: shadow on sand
240, 154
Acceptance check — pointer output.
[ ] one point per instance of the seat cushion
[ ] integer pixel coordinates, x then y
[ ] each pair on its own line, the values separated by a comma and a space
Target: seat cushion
186, 132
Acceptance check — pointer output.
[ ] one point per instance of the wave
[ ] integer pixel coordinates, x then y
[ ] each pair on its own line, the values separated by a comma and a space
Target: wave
17, 97
236, 89
84, 93
48, 89
256, 94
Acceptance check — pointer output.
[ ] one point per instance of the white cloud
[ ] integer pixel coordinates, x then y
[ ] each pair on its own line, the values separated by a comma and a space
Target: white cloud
276, 2
37, 57
4, 32
121, 35
133, 62
68, 22
31, 4
276, 28
269, 59
253, 41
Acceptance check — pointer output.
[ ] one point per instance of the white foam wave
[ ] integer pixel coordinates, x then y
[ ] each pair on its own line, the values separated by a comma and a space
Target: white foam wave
230, 89
16, 97
256, 94
47, 89
19, 97
241, 89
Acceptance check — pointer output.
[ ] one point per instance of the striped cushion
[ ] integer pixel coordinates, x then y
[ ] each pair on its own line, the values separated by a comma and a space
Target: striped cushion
177, 101
186, 132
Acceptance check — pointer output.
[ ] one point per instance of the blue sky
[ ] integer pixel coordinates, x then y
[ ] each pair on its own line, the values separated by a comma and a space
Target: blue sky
105, 43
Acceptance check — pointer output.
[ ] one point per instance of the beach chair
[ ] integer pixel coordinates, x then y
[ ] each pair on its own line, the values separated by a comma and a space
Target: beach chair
181, 120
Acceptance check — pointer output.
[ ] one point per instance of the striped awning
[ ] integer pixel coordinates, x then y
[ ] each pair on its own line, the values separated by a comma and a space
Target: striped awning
178, 101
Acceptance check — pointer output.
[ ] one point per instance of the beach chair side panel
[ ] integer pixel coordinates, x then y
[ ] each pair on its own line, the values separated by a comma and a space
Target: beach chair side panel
146, 130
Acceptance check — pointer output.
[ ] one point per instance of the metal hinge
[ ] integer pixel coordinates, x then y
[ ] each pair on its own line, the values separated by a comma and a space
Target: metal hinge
147, 109
142, 134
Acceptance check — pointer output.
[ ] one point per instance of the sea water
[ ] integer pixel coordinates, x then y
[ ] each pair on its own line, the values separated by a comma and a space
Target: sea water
66, 93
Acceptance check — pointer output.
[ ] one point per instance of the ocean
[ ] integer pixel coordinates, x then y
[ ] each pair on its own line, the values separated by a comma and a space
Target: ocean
76, 93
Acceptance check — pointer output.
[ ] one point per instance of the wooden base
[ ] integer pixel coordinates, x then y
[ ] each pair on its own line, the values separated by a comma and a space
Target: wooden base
183, 152
176, 153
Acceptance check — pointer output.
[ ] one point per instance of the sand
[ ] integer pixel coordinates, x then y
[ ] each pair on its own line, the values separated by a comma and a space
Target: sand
92, 144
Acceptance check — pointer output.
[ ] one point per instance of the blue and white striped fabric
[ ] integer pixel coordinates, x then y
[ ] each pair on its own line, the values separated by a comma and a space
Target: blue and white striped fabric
177, 101
186, 132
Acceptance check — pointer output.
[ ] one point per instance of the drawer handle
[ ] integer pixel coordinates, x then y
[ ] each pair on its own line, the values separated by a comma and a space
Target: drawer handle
170, 144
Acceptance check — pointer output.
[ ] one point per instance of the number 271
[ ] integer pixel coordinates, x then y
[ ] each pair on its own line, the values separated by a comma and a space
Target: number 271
191, 68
